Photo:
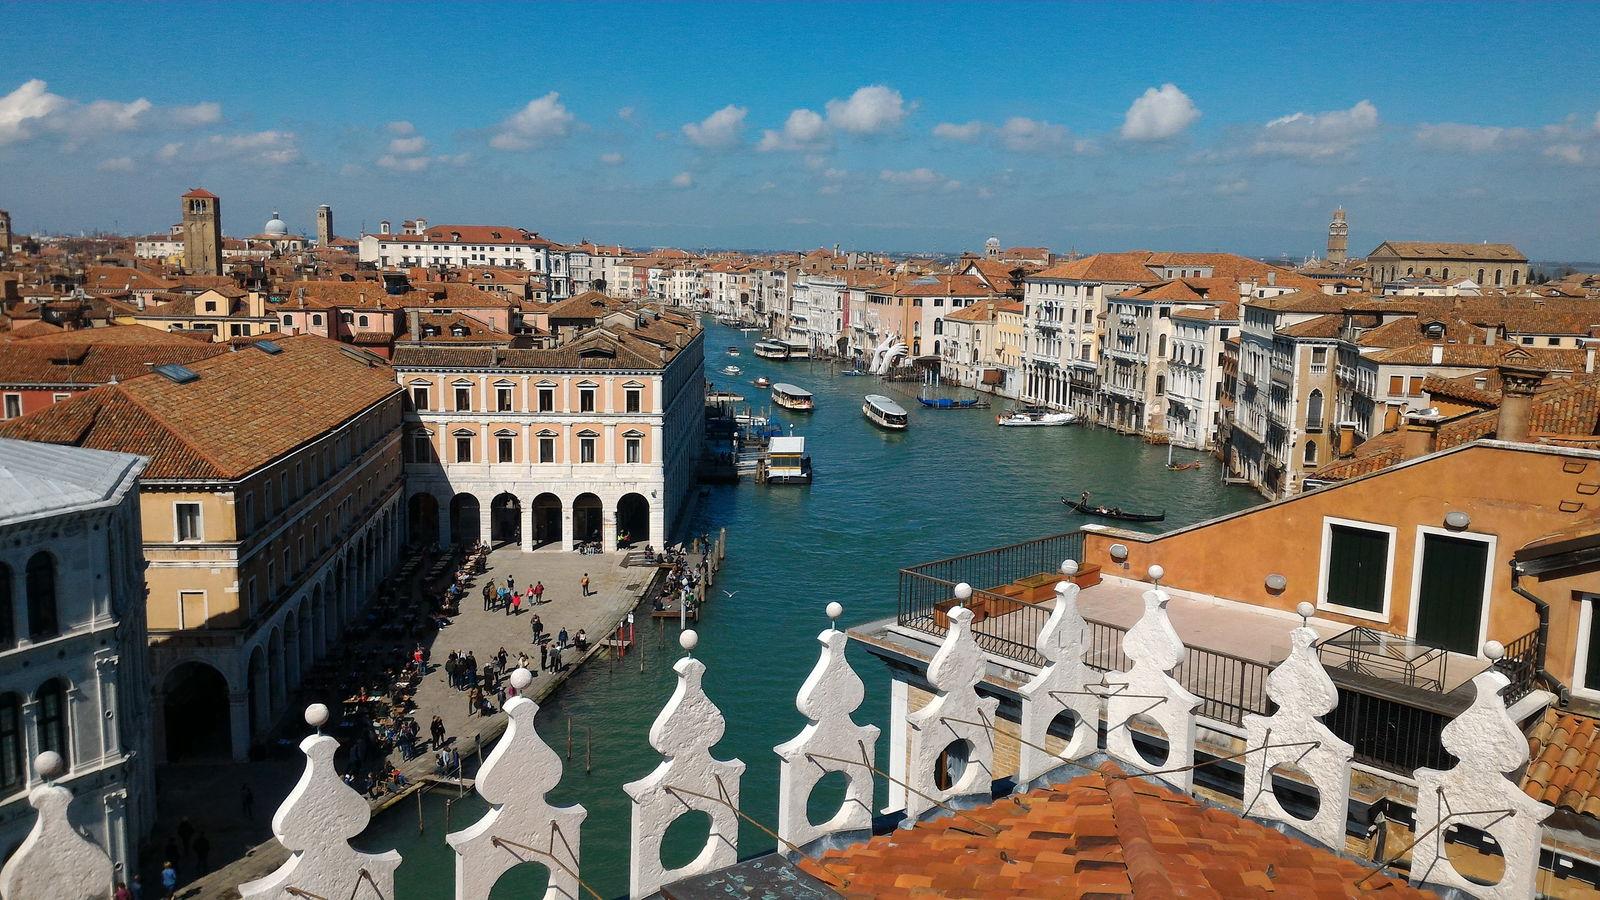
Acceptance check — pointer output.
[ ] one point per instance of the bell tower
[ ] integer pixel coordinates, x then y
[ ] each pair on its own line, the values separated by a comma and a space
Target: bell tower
324, 226
202, 232
5, 234
1338, 237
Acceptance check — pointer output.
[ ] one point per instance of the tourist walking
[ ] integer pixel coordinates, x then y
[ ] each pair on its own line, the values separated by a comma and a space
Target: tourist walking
585, 584
537, 627
555, 660
436, 731
511, 583
122, 892
544, 657
470, 672
561, 638
474, 701
516, 604
450, 669
538, 592
169, 881
488, 594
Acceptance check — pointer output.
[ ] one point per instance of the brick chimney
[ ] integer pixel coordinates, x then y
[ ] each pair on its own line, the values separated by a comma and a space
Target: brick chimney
1347, 438
1421, 434
1517, 385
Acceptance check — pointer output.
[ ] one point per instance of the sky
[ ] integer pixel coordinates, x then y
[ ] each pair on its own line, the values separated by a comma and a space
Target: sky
925, 127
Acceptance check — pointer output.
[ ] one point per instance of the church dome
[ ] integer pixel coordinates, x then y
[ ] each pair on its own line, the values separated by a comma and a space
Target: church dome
275, 226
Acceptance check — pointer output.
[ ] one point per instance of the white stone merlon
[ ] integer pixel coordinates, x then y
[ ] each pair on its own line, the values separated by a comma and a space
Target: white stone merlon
830, 694
956, 720
315, 823
1061, 686
514, 781
1148, 690
688, 778
54, 860
1294, 736
1476, 793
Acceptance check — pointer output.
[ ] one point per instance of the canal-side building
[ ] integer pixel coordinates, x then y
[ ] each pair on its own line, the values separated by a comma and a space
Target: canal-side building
594, 439
461, 246
1063, 321
270, 510
1489, 265
1200, 334
72, 633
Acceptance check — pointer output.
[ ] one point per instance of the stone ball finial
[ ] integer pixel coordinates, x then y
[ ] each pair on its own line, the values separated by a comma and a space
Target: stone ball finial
1305, 609
316, 715
521, 678
689, 640
1069, 567
835, 610
1494, 650
1156, 574
49, 765
963, 592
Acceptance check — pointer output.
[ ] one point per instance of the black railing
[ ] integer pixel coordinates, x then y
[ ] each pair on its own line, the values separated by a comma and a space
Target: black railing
1389, 734
1522, 664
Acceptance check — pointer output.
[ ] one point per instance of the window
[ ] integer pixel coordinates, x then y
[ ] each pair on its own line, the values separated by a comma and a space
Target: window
419, 396
586, 399
1553, 341
8, 633
547, 448
633, 448
586, 448
57, 398
316, 319
43, 620
421, 447
188, 518
633, 400
503, 448
1414, 389
1314, 412
463, 448
1311, 453
547, 399
502, 397
192, 609
463, 398
13, 405
362, 321
53, 719
13, 747
1356, 562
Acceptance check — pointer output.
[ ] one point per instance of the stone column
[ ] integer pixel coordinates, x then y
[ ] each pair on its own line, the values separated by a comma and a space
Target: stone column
116, 831
608, 528
485, 519
106, 674
525, 519
568, 541
239, 724
30, 739
443, 506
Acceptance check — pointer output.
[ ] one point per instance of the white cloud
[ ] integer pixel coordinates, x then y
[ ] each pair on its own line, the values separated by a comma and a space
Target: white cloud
834, 174
611, 159
922, 178
401, 128
1322, 135
1459, 138
263, 148
207, 113
683, 180
404, 163
719, 130
1231, 188
25, 106
1027, 135
965, 133
870, 110
626, 113
116, 164
1567, 153
31, 110
1159, 114
803, 130
542, 121
408, 145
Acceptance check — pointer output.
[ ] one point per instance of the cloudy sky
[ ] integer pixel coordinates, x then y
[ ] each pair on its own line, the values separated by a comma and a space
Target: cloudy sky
766, 125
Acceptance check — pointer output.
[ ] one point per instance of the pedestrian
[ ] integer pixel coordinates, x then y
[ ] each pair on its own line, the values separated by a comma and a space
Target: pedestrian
538, 592
122, 892
136, 887
561, 638
474, 701
522, 660
169, 881
202, 853
436, 731
488, 592
516, 604
450, 668
581, 641
502, 658
585, 584
469, 673
544, 657
537, 626
247, 801
185, 832
511, 583
555, 660
419, 659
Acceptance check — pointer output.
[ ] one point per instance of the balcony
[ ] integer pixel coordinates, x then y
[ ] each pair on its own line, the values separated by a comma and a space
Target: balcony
1392, 705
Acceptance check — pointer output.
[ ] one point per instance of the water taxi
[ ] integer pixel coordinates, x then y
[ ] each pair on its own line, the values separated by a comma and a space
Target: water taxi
884, 413
731, 370
797, 349
787, 461
790, 397
733, 351
763, 381
771, 350
1033, 416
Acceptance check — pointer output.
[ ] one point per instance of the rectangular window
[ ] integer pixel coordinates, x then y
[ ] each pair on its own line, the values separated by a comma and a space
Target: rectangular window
191, 609
634, 400
13, 405
463, 399
57, 398
634, 447
547, 399
502, 398
1357, 568
188, 516
421, 447
463, 449
1415, 388
547, 449
1397, 386
586, 399
419, 396
503, 448
586, 449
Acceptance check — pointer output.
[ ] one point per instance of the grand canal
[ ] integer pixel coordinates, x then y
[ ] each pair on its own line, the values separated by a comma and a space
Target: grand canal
952, 483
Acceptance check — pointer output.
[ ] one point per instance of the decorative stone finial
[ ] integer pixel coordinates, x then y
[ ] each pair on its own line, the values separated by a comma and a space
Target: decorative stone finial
963, 592
315, 823
1156, 574
1494, 651
1305, 611
1069, 567
514, 780
689, 640
1293, 735
1153, 646
684, 733
1476, 792
54, 860
827, 698
317, 716
957, 715
835, 610
1061, 685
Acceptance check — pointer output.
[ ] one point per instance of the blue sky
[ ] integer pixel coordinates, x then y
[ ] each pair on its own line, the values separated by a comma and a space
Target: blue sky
902, 127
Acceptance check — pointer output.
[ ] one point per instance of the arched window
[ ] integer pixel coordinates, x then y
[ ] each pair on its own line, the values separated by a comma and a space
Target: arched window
1516, 277
1498, 275
1313, 412
1311, 453
8, 633
938, 326
1161, 346
1480, 276
362, 321
13, 747
53, 734
316, 320
43, 622
288, 321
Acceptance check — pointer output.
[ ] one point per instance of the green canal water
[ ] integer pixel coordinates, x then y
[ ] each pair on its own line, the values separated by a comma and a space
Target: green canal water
952, 483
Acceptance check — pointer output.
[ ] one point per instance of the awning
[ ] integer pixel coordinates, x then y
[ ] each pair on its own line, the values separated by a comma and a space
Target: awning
994, 376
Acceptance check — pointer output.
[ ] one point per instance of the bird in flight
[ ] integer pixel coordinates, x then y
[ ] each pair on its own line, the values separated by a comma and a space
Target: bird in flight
730, 593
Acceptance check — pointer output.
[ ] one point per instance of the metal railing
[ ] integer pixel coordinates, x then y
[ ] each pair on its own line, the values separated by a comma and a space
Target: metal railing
1390, 734
1522, 664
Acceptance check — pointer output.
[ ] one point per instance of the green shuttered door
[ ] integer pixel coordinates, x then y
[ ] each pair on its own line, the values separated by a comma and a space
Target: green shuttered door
1357, 564
1450, 601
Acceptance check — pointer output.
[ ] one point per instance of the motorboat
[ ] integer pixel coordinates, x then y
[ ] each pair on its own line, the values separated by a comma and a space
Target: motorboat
793, 398
763, 381
731, 370
1033, 416
1113, 512
884, 413
948, 403
771, 350
851, 372
797, 349
733, 351
787, 461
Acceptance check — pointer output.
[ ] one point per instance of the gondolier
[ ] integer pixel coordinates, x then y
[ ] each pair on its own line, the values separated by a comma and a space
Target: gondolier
1111, 512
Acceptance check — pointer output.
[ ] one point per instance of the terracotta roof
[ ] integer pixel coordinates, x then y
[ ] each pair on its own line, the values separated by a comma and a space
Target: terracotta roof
1445, 250
1564, 762
1100, 835
470, 234
1320, 327
52, 362
591, 305
122, 278
1307, 300
1128, 267
201, 192
371, 295
447, 324
246, 409
940, 286
1480, 355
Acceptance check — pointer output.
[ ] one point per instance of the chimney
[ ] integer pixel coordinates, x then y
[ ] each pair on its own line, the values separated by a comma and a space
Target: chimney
1421, 435
1438, 354
1517, 385
1347, 438
1391, 416
1588, 356
1488, 335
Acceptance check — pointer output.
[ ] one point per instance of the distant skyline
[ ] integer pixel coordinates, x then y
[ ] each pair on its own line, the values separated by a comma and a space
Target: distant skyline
885, 126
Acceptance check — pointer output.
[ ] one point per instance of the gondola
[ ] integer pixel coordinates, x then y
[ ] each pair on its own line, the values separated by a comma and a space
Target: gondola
947, 403
1180, 467
1105, 513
